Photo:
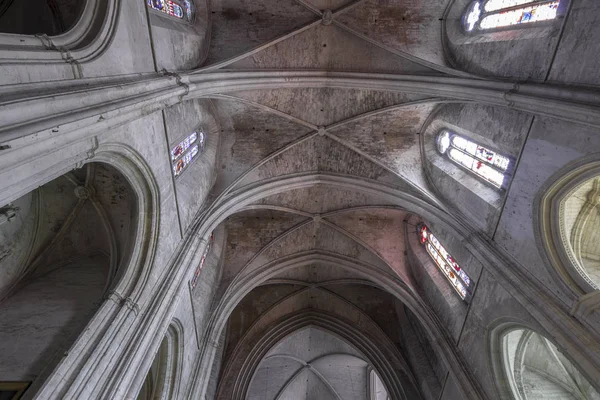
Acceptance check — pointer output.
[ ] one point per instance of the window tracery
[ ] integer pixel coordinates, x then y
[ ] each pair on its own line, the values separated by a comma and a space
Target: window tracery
483, 162
494, 14
177, 9
183, 154
457, 277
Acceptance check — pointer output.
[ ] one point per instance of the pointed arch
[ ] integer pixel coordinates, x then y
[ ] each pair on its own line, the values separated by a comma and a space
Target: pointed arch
567, 209
377, 353
526, 365
163, 377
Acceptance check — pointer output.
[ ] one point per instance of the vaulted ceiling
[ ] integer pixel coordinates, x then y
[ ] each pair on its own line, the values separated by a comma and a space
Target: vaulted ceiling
308, 252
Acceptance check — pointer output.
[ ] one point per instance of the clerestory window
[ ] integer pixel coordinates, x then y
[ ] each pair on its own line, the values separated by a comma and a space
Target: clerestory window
185, 152
457, 277
202, 261
485, 15
180, 9
481, 161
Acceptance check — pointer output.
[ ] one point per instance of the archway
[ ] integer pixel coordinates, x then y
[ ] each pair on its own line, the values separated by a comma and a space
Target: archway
162, 380
528, 366
68, 242
48, 17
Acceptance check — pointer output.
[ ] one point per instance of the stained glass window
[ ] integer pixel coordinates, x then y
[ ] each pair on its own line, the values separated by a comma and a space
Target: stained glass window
178, 150
457, 277
183, 154
169, 7
202, 141
180, 165
189, 10
202, 260
483, 162
492, 14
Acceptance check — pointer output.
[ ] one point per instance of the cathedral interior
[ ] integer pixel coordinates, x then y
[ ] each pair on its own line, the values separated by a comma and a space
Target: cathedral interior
300, 199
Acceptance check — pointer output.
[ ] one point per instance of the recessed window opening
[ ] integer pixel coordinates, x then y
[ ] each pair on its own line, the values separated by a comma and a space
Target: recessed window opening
185, 152
202, 261
481, 161
183, 9
495, 14
457, 277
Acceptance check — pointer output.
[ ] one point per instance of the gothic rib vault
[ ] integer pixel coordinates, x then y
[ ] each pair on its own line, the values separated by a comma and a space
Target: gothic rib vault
320, 162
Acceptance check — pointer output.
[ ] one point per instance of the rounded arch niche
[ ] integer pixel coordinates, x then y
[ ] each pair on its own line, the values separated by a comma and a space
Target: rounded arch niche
528, 366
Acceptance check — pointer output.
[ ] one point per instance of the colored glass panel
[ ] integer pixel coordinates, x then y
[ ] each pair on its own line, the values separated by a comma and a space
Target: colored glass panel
477, 166
458, 278
480, 152
493, 14
178, 150
202, 260
189, 11
532, 13
169, 7
184, 161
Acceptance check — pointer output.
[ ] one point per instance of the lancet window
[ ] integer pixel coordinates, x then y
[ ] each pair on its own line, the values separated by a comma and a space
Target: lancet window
178, 9
186, 151
483, 162
202, 261
457, 277
493, 14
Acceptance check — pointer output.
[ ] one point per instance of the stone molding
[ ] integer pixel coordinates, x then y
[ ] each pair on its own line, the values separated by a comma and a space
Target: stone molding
110, 98
87, 40
88, 107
